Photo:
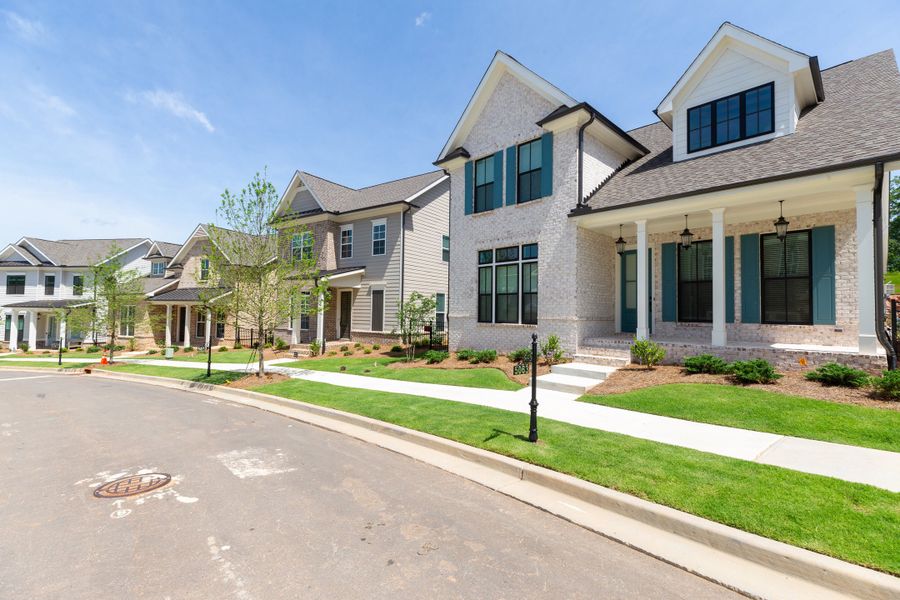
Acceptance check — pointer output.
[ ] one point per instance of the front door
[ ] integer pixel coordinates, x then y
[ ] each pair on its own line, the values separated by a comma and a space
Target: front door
346, 302
629, 289
182, 316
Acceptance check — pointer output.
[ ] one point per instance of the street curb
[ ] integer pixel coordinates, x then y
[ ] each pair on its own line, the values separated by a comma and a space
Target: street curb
49, 370
748, 563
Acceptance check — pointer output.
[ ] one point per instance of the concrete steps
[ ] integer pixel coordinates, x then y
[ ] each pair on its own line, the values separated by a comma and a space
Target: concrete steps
601, 359
574, 377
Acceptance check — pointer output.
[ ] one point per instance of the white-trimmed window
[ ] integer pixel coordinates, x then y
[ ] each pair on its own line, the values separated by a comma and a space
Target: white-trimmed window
440, 311
379, 237
508, 285
126, 321
445, 248
158, 268
200, 328
302, 245
15, 284
346, 241
77, 285
220, 323
204, 269
304, 311
49, 285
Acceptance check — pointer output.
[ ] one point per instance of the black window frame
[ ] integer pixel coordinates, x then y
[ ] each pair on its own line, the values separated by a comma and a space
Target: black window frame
695, 284
521, 305
11, 288
445, 248
51, 281
742, 118
487, 163
77, 285
763, 278
529, 175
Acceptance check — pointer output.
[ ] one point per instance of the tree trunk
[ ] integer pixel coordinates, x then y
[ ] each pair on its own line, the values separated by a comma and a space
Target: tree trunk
262, 365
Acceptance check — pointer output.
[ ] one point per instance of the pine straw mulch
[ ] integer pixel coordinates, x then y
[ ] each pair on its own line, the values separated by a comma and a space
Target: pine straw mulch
251, 381
634, 377
502, 364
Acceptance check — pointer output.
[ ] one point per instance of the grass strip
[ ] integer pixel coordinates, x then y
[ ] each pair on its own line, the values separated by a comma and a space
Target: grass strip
198, 375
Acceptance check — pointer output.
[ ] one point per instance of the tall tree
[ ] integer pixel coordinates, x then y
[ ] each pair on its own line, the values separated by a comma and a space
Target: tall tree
265, 270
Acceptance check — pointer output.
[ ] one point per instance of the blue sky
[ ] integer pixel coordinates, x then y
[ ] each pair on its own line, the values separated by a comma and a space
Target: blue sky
130, 118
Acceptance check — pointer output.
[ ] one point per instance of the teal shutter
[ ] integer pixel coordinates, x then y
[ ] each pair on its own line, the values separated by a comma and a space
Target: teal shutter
498, 179
547, 164
750, 278
669, 281
511, 175
729, 279
823, 275
470, 182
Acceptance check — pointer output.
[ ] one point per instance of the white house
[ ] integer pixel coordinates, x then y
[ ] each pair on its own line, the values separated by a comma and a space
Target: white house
565, 224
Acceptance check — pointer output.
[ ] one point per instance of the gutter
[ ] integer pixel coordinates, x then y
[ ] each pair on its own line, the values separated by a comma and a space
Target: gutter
580, 198
880, 331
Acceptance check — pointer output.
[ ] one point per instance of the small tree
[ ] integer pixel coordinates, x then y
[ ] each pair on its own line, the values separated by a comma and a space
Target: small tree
255, 272
411, 315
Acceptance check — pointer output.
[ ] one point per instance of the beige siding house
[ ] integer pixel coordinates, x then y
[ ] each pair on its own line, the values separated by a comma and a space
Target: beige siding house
375, 245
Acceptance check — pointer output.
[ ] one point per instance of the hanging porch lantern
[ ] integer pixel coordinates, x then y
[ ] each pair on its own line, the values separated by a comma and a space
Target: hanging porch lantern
781, 225
686, 235
620, 243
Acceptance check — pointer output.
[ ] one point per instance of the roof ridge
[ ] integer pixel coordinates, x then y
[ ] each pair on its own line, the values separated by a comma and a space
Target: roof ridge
399, 179
329, 181
853, 60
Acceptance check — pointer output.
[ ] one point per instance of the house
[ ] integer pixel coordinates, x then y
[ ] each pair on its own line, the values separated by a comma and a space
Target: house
749, 220
375, 245
41, 277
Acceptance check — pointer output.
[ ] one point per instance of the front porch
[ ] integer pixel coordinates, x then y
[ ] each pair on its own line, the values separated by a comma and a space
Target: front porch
40, 323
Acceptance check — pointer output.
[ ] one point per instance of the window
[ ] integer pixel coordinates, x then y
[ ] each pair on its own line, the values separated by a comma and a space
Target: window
204, 269
440, 311
78, 285
220, 324
529, 171
347, 241
158, 268
15, 284
736, 117
484, 184
126, 321
200, 327
445, 248
304, 311
786, 278
302, 245
695, 282
379, 236
377, 310
508, 285
49, 284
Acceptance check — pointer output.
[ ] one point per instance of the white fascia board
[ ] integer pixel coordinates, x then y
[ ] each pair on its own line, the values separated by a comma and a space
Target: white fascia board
125, 251
500, 64
296, 182
39, 251
161, 288
187, 244
19, 252
426, 188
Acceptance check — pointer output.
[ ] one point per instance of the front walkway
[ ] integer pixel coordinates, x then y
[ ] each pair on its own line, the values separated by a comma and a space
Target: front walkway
879, 468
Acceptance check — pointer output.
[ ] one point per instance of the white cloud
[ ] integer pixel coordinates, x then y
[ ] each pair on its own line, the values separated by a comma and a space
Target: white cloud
423, 18
53, 104
31, 31
174, 103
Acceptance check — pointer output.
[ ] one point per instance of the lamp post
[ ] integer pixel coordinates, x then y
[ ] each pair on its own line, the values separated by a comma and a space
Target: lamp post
532, 431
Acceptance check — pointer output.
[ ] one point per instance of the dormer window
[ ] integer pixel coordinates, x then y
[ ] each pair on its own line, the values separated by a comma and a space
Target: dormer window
158, 268
733, 118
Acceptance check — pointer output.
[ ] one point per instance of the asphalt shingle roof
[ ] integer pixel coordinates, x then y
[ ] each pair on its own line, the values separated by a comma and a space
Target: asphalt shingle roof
50, 303
167, 249
858, 121
336, 198
188, 294
81, 253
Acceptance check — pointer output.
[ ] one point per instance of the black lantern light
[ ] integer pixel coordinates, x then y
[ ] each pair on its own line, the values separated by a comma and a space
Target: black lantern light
781, 225
620, 243
686, 235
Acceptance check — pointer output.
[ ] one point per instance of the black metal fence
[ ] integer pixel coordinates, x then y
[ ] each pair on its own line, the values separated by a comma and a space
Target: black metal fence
250, 337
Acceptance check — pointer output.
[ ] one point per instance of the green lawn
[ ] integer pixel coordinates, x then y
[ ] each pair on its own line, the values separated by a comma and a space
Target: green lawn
69, 354
231, 356
48, 365
893, 277
761, 410
377, 366
199, 375
849, 521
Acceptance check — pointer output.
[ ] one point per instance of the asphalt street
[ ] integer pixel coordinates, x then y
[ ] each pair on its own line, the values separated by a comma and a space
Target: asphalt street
263, 507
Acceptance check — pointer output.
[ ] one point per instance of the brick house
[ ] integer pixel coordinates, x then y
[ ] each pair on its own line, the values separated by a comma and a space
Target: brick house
749, 220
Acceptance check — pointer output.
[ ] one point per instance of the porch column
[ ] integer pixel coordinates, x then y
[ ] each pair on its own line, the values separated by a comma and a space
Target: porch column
295, 329
168, 325
62, 332
32, 330
320, 320
643, 292
187, 326
14, 330
867, 302
208, 324
718, 276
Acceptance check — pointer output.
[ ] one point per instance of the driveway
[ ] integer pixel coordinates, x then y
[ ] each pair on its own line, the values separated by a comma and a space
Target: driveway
264, 507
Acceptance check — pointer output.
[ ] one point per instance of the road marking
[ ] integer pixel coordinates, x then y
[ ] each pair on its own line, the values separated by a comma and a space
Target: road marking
255, 462
26, 377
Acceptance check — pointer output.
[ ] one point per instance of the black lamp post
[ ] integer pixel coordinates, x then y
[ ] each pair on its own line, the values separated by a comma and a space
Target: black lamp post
781, 225
532, 430
686, 235
620, 243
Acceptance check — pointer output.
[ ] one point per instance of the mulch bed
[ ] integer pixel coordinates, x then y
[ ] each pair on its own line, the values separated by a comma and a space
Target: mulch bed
793, 383
252, 381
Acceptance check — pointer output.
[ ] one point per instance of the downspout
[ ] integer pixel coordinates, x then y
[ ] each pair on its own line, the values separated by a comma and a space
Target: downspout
402, 251
880, 331
580, 199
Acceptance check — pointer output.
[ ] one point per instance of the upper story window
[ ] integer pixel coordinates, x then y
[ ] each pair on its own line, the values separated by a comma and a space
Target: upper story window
302, 245
49, 284
379, 237
15, 284
158, 268
737, 117
445, 248
78, 285
347, 241
529, 170
484, 184
204, 269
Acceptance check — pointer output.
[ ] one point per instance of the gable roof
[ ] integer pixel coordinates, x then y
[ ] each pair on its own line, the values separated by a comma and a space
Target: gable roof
162, 250
200, 233
335, 198
858, 123
74, 253
10, 249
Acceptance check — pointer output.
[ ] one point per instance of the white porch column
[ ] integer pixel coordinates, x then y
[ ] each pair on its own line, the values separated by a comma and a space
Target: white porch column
718, 276
320, 320
208, 324
187, 326
168, 325
14, 330
865, 269
643, 292
295, 330
62, 333
32, 330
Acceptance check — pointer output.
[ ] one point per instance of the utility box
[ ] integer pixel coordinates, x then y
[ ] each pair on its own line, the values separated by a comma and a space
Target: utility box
170, 352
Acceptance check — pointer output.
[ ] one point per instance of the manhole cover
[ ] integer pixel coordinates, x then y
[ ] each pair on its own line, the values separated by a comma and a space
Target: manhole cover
132, 485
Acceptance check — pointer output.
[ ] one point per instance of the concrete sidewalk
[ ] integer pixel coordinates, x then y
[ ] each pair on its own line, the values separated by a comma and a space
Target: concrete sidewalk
879, 468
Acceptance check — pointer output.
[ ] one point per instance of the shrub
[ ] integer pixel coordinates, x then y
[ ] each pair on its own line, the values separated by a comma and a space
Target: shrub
332, 353
63, 349
315, 347
93, 349
648, 353
840, 375
23, 346
753, 371
280, 344
348, 353
132, 344
465, 354
551, 350
705, 363
223, 349
188, 348
433, 357
357, 345
888, 385
483, 356
396, 348
238, 346
367, 351
267, 345
520, 355
345, 348
152, 351
376, 346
